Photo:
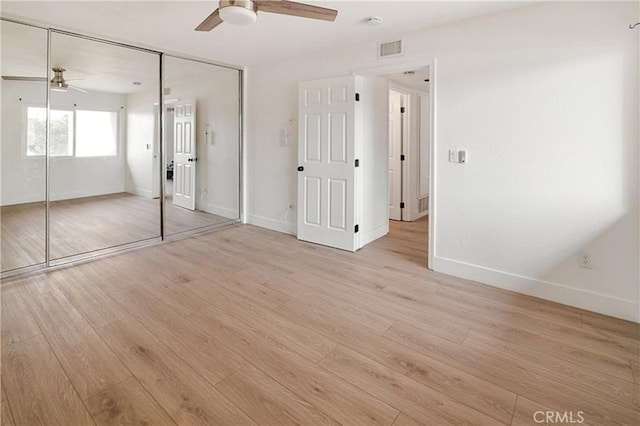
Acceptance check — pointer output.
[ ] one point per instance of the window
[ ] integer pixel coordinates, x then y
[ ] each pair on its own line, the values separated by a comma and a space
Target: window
61, 132
96, 133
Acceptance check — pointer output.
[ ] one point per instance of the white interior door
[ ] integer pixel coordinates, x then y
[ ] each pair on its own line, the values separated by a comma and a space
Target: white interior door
184, 155
395, 151
326, 163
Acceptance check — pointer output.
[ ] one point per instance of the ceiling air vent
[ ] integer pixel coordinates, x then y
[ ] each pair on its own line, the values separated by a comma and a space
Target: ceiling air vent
390, 49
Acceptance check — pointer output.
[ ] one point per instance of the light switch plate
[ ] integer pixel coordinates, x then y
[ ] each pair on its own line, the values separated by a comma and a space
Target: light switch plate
453, 156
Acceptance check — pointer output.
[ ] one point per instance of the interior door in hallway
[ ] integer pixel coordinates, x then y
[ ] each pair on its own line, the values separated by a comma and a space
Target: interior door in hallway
326, 162
395, 153
184, 155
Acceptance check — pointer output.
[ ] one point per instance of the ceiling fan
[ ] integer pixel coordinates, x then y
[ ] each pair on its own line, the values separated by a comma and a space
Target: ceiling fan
57, 83
244, 12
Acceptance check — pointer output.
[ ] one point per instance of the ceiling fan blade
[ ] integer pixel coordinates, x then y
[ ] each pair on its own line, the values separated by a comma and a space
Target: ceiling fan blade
210, 22
19, 78
285, 7
78, 89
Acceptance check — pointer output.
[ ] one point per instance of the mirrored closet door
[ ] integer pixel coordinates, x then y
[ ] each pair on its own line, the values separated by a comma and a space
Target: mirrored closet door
23, 147
201, 145
89, 151
101, 150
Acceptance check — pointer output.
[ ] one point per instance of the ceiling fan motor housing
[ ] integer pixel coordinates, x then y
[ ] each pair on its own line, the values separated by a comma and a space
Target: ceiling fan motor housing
58, 82
238, 12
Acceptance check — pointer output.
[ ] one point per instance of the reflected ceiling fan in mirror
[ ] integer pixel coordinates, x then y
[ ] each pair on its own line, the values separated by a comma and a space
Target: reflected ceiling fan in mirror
245, 12
58, 82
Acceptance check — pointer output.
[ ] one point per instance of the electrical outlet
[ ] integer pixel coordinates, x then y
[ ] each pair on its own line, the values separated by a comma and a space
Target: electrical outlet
584, 260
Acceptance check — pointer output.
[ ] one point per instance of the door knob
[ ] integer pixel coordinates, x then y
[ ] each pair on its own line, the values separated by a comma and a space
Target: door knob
300, 168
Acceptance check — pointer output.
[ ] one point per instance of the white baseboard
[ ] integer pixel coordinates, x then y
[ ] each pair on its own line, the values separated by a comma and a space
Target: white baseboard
220, 211
146, 193
584, 299
274, 225
93, 192
374, 234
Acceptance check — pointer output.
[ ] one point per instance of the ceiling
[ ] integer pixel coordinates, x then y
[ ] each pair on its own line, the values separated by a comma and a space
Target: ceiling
169, 25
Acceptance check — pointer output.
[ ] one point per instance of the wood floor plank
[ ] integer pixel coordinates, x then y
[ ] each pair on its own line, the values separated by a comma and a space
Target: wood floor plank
268, 402
418, 401
305, 341
619, 346
530, 413
248, 314
477, 393
635, 367
127, 403
183, 302
6, 418
516, 377
337, 398
88, 297
608, 363
607, 387
404, 420
190, 341
185, 395
16, 321
602, 323
382, 307
38, 389
91, 366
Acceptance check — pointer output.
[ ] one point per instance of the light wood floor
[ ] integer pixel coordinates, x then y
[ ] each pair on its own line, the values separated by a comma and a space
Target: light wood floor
86, 224
246, 325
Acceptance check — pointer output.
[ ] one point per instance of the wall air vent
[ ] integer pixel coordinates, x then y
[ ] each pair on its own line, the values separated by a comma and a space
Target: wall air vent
423, 204
390, 49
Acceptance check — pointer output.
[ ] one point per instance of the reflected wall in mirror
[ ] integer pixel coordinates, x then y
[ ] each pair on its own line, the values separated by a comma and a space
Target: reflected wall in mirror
101, 145
22, 197
201, 144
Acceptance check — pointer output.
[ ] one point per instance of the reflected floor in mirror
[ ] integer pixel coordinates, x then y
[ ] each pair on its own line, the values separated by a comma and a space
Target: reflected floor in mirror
22, 234
86, 224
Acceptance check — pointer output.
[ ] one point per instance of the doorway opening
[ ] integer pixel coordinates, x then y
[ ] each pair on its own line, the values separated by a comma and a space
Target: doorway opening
410, 142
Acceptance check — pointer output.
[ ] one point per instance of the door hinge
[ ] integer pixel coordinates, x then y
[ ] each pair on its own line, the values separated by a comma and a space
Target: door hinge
401, 157
357, 162
402, 110
356, 229
357, 97
402, 205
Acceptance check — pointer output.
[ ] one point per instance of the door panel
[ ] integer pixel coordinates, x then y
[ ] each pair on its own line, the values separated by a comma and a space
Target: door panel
313, 145
312, 201
338, 138
184, 156
337, 204
326, 154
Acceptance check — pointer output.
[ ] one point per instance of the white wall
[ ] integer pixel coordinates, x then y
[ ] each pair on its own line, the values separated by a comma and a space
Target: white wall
141, 134
545, 101
374, 214
71, 177
215, 90
217, 133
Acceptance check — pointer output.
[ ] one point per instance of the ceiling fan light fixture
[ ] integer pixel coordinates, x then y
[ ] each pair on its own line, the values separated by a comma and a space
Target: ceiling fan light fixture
59, 88
238, 12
